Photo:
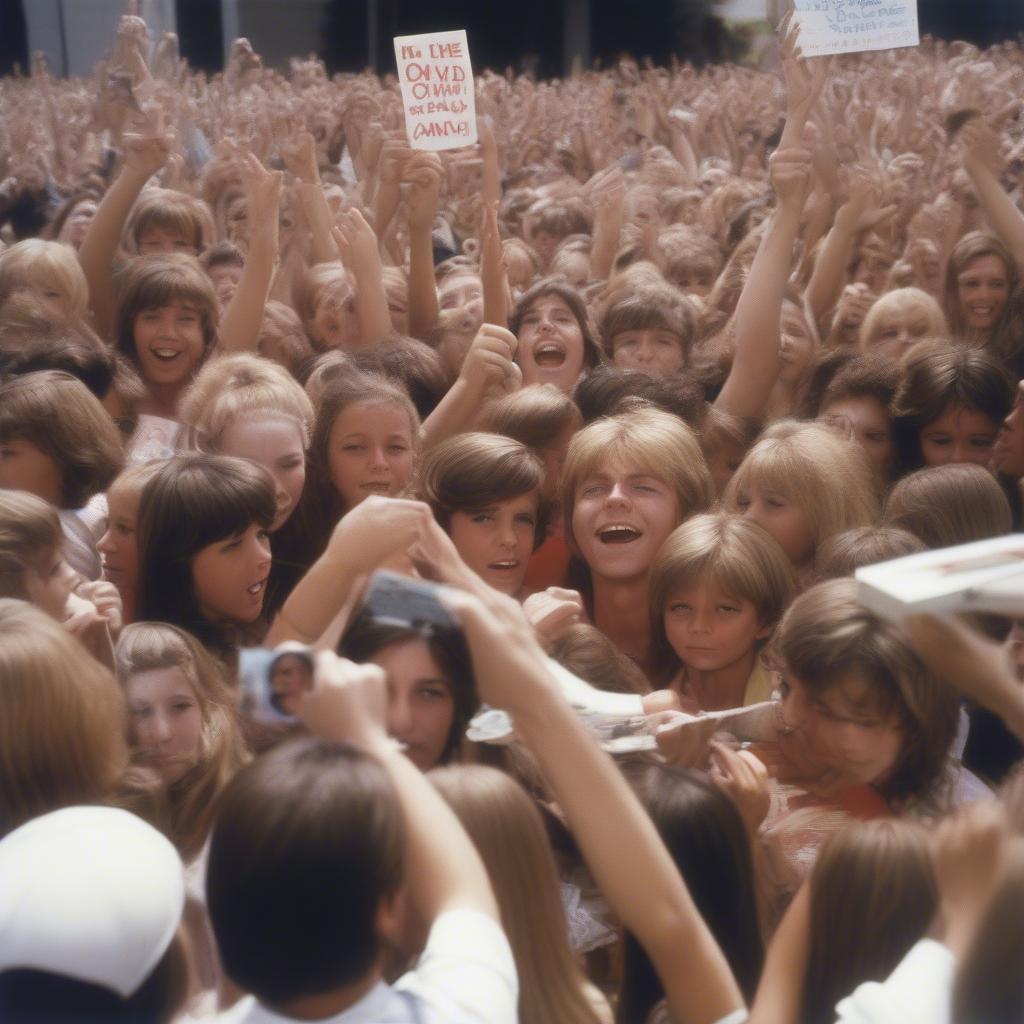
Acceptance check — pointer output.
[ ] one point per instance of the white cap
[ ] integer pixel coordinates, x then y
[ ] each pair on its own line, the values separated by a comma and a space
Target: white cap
91, 893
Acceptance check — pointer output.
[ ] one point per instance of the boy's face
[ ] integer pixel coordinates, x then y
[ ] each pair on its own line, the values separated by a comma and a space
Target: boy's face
49, 583
709, 629
654, 349
225, 278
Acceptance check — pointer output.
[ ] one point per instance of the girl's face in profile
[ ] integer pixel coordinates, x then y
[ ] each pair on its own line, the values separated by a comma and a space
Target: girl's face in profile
550, 349
421, 709
276, 443
49, 583
169, 343
496, 542
960, 434
782, 517
370, 451
229, 577
621, 515
166, 721
844, 729
119, 545
983, 287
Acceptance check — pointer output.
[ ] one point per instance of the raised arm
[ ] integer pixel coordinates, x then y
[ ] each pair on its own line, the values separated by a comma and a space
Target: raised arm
144, 155
240, 326
357, 246
618, 839
424, 173
755, 364
608, 194
299, 157
983, 162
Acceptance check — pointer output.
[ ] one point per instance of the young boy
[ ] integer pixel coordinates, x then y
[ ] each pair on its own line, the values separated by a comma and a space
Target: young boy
315, 844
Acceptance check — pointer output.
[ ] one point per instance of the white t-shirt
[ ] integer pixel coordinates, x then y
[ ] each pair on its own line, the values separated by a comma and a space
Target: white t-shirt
465, 976
919, 991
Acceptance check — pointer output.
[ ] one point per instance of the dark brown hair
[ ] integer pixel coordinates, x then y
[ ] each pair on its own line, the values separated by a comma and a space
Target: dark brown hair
592, 354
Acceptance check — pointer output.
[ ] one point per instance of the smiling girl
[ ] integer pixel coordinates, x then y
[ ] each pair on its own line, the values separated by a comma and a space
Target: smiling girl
182, 723
718, 587
981, 277
204, 556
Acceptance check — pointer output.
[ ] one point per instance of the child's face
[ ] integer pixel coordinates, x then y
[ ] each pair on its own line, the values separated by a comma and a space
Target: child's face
496, 542
843, 730
290, 681
155, 240
866, 421
370, 451
693, 278
335, 323
960, 434
52, 299
796, 349
709, 629
621, 516
119, 545
896, 331
782, 517
462, 290
26, 467
166, 721
169, 343
983, 287
229, 577
225, 278
49, 583
276, 443
654, 349
421, 709
550, 349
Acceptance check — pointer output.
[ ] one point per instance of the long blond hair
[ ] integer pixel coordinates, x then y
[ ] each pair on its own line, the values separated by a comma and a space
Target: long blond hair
145, 646
508, 832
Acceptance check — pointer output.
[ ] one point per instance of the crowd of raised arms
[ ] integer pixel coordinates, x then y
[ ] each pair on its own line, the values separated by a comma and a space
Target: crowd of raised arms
636, 382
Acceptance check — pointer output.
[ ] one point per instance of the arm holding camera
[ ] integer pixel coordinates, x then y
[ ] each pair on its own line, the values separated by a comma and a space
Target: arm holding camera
622, 848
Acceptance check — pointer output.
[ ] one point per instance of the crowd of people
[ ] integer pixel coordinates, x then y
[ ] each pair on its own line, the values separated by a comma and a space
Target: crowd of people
621, 396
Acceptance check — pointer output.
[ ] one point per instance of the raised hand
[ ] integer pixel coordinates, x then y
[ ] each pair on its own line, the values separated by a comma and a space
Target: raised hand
422, 173
357, 243
551, 612
489, 363
348, 703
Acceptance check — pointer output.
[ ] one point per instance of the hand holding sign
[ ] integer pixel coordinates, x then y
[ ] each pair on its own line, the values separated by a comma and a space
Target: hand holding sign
436, 77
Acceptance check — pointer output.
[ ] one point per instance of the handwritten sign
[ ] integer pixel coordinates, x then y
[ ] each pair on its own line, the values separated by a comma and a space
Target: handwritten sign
850, 26
436, 77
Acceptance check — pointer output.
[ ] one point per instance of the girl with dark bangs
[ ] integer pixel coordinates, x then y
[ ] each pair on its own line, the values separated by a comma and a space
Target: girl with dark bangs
204, 557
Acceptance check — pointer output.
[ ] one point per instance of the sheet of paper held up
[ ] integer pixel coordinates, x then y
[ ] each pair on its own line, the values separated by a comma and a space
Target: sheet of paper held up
436, 77
851, 26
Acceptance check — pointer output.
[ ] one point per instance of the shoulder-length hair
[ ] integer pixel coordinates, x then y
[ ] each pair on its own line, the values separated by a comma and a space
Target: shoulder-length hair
657, 442
806, 462
145, 646
705, 836
947, 505
365, 636
877, 878
151, 282
191, 502
936, 376
827, 637
62, 417
592, 354
972, 246
472, 471
508, 831
29, 530
735, 553
61, 719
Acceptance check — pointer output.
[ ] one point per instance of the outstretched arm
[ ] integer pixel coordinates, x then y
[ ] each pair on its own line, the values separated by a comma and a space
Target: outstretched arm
299, 157
240, 326
423, 172
144, 155
618, 839
357, 246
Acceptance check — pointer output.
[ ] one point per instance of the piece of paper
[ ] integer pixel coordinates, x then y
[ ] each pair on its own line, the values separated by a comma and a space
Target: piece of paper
436, 76
851, 26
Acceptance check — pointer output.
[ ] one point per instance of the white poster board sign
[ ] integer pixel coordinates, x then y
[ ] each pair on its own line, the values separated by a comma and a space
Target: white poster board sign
436, 77
851, 26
